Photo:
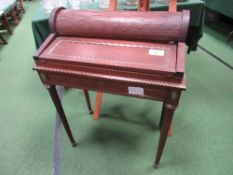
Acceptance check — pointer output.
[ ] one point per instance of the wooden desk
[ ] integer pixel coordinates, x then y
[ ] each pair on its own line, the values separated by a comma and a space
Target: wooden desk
141, 68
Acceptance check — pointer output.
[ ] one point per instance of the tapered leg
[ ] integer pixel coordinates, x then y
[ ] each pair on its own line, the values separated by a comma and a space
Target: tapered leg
170, 131
2, 39
98, 101
167, 118
162, 116
86, 93
6, 24
54, 95
161, 121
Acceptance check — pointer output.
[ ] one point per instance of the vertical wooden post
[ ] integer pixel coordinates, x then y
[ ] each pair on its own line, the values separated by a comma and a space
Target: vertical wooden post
172, 6
112, 5
143, 5
98, 99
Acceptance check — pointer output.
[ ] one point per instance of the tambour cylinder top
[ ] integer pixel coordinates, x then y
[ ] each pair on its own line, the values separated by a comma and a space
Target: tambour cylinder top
128, 25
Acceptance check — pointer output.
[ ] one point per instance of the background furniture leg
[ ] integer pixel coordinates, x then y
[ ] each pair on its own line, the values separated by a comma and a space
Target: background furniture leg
98, 100
54, 95
2, 39
230, 36
86, 93
6, 24
144, 5
21, 5
14, 17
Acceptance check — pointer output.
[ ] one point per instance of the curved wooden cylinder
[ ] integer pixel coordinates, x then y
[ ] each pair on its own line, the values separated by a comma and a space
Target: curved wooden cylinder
128, 25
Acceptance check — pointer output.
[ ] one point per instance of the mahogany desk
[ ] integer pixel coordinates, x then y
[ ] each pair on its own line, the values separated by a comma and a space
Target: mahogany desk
107, 54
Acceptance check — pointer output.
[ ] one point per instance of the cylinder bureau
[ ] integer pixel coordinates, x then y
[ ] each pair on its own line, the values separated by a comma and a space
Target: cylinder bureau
137, 54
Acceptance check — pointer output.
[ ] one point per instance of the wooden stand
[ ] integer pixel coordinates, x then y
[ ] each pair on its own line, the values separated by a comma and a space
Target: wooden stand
143, 5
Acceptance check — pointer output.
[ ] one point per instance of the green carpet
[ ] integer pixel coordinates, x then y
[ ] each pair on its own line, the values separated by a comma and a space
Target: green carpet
214, 40
124, 140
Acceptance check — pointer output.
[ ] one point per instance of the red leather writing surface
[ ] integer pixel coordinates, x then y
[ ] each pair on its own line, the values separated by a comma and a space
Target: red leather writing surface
116, 54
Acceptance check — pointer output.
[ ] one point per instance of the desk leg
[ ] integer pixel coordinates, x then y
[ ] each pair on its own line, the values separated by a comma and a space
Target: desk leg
162, 115
86, 93
168, 111
161, 121
54, 95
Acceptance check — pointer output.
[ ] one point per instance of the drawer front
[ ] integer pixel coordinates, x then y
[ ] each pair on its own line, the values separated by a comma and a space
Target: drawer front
112, 87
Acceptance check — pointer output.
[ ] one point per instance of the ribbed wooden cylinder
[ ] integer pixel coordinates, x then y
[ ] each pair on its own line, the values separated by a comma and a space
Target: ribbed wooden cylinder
128, 25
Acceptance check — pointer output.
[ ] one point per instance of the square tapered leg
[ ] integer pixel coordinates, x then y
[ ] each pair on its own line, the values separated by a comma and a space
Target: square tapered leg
54, 95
